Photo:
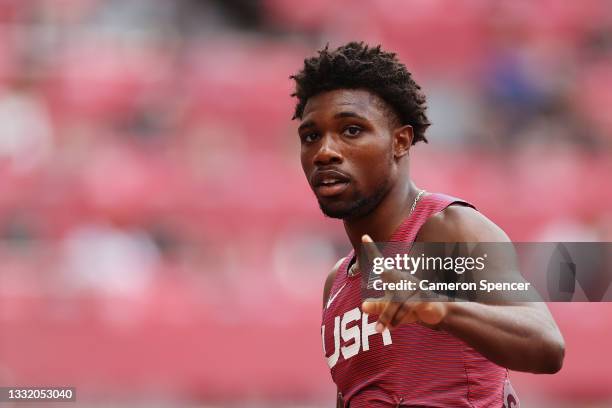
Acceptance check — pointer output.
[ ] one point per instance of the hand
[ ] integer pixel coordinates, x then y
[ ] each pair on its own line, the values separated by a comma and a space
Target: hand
397, 308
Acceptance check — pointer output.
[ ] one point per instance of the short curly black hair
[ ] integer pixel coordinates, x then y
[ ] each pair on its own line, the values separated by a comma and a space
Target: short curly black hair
358, 66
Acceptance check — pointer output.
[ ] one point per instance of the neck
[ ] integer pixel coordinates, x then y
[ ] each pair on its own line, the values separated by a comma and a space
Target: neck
386, 217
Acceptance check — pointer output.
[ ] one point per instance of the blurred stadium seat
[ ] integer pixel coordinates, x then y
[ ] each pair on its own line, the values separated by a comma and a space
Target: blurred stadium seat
176, 146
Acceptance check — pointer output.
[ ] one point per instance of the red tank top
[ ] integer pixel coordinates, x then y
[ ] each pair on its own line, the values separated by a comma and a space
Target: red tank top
412, 366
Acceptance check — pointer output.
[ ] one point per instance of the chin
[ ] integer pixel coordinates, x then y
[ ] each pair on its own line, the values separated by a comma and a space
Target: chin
357, 208
336, 211
346, 211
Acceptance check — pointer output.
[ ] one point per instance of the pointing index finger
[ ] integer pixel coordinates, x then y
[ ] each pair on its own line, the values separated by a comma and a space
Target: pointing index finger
372, 252
370, 248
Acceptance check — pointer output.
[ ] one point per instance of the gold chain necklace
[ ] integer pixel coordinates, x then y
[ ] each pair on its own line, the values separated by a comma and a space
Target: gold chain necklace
354, 270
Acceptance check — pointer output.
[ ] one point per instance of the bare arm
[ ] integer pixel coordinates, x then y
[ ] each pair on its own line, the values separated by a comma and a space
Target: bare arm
518, 336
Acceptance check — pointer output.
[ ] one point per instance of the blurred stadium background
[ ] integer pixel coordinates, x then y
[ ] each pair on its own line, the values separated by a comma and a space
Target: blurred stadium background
159, 245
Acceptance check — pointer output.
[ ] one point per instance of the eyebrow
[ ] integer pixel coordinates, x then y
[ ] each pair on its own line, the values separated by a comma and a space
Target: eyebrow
307, 124
348, 114
339, 115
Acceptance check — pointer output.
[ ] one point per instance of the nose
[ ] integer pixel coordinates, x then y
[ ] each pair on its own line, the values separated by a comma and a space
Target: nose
328, 152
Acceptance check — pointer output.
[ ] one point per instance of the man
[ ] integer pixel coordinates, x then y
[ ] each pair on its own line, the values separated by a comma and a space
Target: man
360, 113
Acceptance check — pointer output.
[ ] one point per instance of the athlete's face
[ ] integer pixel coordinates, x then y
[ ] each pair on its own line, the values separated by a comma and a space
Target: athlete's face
347, 151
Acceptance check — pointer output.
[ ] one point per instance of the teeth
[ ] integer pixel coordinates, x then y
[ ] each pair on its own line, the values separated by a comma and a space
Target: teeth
328, 182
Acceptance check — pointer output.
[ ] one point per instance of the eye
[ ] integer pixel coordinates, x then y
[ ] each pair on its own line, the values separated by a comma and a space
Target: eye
352, 131
309, 137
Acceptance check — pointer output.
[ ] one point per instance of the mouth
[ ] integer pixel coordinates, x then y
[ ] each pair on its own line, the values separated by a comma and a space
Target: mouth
329, 183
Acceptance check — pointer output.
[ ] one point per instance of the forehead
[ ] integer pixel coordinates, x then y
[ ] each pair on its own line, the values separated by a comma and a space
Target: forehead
359, 101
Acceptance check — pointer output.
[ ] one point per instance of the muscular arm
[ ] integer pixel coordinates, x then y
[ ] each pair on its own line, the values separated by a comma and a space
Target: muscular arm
518, 336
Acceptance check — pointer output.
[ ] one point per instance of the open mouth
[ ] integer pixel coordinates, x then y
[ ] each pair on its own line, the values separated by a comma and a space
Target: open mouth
330, 183
332, 189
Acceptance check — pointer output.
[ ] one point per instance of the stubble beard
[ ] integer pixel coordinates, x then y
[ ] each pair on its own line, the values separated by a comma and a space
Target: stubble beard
359, 207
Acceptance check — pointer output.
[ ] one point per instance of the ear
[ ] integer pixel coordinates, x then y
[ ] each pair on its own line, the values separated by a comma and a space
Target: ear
402, 140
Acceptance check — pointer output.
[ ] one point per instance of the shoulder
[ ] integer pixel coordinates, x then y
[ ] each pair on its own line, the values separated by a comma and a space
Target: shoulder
460, 223
329, 281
